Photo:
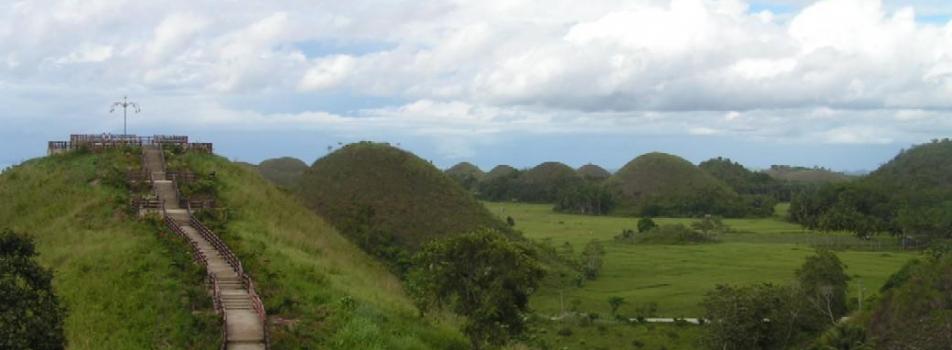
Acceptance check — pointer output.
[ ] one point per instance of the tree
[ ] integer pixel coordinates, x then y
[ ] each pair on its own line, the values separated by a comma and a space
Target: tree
482, 277
823, 282
30, 314
763, 316
646, 224
615, 303
710, 225
591, 259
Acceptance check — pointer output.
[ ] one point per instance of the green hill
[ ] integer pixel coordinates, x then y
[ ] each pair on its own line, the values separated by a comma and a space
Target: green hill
805, 175
124, 285
500, 171
926, 167
662, 184
543, 183
593, 172
466, 174
283, 172
323, 290
387, 199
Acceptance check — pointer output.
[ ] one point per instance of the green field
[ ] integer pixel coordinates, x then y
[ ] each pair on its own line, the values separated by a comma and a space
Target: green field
676, 277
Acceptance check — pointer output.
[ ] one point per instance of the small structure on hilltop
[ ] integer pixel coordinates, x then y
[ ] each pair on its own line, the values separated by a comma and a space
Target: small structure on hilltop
100, 142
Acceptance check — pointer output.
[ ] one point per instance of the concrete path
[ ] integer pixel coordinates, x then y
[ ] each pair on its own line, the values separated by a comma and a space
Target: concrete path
244, 329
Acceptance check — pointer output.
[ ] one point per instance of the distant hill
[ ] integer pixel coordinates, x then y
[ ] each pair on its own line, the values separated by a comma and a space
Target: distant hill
466, 174
909, 196
924, 167
656, 184
283, 172
593, 172
499, 171
388, 200
807, 175
544, 182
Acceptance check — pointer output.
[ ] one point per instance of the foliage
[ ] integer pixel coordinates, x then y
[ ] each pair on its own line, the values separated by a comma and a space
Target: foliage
481, 276
674, 234
916, 311
907, 196
591, 259
646, 224
823, 281
844, 336
615, 302
31, 316
711, 226
586, 198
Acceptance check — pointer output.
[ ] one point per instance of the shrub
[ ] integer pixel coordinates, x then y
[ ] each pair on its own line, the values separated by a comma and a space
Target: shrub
674, 234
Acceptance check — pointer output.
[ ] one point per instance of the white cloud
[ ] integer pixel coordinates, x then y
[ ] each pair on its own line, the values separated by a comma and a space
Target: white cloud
680, 67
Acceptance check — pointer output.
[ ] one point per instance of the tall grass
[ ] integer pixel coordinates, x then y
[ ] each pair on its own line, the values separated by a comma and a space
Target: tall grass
124, 285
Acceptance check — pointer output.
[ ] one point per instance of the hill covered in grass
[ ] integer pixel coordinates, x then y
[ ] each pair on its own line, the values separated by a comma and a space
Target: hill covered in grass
320, 289
388, 200
544, 182
124, 284
926, 167
466, 174
284, 171
500, 171
806, 175
593, 172
660, 184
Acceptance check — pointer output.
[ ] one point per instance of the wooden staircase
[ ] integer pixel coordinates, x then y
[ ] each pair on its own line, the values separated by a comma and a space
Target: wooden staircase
233, 291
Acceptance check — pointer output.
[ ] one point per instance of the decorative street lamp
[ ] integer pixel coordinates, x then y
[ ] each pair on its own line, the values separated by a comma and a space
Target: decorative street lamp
125, 104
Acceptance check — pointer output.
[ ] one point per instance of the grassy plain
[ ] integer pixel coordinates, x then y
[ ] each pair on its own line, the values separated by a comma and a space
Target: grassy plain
676, 277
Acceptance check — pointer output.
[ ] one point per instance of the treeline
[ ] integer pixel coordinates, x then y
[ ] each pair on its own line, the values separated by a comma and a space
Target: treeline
909, 197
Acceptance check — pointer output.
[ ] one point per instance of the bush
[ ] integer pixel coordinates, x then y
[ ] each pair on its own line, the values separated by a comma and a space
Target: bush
31, 316
674, 234
646, 224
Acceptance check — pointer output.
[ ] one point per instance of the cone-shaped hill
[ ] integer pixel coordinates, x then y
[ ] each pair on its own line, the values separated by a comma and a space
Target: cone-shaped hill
466, 174
544, 182
593, 172
805, 175
384, 197
663, 184
926, 167
283, 172
500, 171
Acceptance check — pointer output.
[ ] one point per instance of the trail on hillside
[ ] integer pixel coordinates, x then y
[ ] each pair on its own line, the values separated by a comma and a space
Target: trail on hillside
234, 293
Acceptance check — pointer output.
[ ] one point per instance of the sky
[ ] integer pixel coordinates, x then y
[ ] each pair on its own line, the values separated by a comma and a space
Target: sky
843, 84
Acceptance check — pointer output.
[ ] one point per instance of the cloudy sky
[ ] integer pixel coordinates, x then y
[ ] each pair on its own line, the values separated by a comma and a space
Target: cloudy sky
837, 83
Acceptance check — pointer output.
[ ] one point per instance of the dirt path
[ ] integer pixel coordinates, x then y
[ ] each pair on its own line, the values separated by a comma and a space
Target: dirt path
243, 326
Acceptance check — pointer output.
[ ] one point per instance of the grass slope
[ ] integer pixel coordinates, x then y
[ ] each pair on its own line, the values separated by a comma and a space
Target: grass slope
926, 167
543, 183
500, 171
124, 285
593, 172
283, 172
323, 290
392, 191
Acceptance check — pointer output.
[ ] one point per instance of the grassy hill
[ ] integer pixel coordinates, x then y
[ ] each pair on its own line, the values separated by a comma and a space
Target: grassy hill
806, 175
543, 183
283, 172
593, 172
662, 184
126, 287
926, 167
466, 174
384, 197
322, 290
500, 171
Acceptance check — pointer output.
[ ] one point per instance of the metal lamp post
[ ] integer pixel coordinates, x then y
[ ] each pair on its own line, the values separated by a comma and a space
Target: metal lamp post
125, 104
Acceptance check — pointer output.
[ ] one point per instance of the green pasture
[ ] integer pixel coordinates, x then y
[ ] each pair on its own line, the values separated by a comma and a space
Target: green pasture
676, 277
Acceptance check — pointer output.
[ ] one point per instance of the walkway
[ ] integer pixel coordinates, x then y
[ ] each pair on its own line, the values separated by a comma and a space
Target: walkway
244, 328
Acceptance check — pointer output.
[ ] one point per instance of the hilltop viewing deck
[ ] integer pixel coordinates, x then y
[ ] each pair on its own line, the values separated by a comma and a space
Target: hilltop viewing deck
97, 142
